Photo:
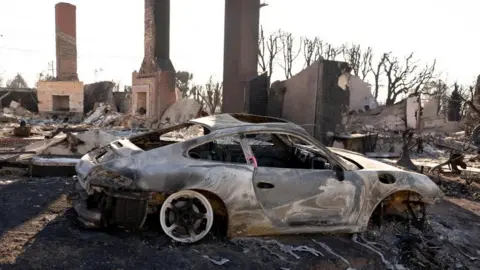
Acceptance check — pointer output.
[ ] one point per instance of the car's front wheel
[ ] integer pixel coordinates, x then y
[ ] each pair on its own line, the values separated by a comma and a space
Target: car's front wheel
186, 216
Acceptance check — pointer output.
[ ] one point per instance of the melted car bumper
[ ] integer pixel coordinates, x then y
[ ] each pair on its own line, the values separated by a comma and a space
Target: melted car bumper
78, 197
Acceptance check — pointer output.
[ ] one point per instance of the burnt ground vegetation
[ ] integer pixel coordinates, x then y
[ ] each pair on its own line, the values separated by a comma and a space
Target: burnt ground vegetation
38, 230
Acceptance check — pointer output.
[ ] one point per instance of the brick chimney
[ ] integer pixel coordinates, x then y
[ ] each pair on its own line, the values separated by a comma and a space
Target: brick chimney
157, 37
66, 40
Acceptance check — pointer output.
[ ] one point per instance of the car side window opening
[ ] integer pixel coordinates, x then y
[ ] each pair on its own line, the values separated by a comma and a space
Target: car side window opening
184, 133
286, 151
167, 136
226, 149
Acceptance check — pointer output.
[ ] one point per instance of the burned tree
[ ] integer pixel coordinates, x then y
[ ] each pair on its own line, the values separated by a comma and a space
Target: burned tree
268, 49
210, 95
331, 52
182, 82
403, 78
359, 60
17, 82
290, 53
466, 95
311, 50
455, 104
377, 72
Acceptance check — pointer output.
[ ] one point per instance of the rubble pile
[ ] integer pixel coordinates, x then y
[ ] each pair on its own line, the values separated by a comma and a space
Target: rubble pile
103, 116
17, 110
185, 133
70, 143
28, 138
14, 112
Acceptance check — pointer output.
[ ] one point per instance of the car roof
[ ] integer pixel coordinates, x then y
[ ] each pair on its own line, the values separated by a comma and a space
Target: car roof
225, 122
229, 120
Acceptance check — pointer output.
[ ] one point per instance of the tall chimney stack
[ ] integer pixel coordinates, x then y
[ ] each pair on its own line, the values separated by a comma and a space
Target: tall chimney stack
157, 37
66, 41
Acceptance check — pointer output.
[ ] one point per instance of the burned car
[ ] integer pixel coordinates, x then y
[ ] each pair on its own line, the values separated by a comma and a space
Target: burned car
250, 175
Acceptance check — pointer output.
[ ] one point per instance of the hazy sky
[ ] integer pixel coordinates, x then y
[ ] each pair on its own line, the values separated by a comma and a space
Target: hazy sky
110, 33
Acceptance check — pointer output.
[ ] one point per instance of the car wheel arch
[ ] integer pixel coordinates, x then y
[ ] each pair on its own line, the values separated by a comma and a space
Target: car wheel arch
220, 210
397, 194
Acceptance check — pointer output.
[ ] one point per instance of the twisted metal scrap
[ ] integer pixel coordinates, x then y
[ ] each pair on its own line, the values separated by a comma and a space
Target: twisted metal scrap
453, 162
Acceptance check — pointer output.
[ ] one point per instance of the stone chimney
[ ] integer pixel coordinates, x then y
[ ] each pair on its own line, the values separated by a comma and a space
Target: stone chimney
66, 41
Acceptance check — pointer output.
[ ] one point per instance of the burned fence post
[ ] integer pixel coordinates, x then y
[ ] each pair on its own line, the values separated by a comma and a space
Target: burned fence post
405, 160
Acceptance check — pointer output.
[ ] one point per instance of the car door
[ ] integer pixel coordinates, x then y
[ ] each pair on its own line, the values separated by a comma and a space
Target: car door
307, 197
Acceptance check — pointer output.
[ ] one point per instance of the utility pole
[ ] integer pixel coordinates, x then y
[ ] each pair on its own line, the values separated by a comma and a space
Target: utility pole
51, 68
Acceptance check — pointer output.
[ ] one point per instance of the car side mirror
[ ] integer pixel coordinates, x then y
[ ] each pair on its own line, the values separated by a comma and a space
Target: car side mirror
339, 172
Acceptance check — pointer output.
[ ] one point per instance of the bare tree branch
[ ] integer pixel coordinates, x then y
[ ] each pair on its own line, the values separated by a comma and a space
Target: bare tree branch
331, 52
273, 50
352, 55
419, 80
397, 75
377, 73
210, 95
261, 50
289, 53
311, 50
366, 63
17, 82
268, 50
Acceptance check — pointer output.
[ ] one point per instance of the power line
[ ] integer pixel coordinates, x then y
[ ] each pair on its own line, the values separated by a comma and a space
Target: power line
96, 54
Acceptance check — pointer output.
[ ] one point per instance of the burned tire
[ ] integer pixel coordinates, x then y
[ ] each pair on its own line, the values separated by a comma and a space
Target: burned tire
130, 213
186, 216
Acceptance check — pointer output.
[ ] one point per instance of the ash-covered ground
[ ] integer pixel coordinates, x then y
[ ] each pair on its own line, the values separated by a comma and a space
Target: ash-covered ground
38, 231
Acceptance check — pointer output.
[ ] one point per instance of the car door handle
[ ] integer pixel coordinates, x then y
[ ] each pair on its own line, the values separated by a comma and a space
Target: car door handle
264, 185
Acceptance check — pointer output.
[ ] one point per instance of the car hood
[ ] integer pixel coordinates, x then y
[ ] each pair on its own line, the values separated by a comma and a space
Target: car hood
366, 163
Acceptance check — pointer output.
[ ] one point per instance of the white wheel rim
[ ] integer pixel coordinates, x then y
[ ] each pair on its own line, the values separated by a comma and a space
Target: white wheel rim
198, 229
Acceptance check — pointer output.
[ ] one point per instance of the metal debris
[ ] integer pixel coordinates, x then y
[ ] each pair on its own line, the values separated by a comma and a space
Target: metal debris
222, 261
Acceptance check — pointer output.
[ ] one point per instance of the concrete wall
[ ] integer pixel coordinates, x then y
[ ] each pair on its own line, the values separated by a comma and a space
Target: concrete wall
332, 101
431, 108
27, 100
396, 117
73, 89
98, 92
312, 98
360, 92
412, 112
434, 119
300, 97
123, 101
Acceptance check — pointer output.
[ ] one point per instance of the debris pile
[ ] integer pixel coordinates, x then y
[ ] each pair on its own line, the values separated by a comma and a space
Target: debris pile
70, 143
102, 115
14, 112
17, 110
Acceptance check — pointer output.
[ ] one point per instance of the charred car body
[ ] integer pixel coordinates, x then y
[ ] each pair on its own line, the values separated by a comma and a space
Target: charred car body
255, 175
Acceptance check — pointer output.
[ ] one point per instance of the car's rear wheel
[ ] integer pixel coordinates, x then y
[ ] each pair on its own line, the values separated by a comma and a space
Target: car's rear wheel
186, 216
